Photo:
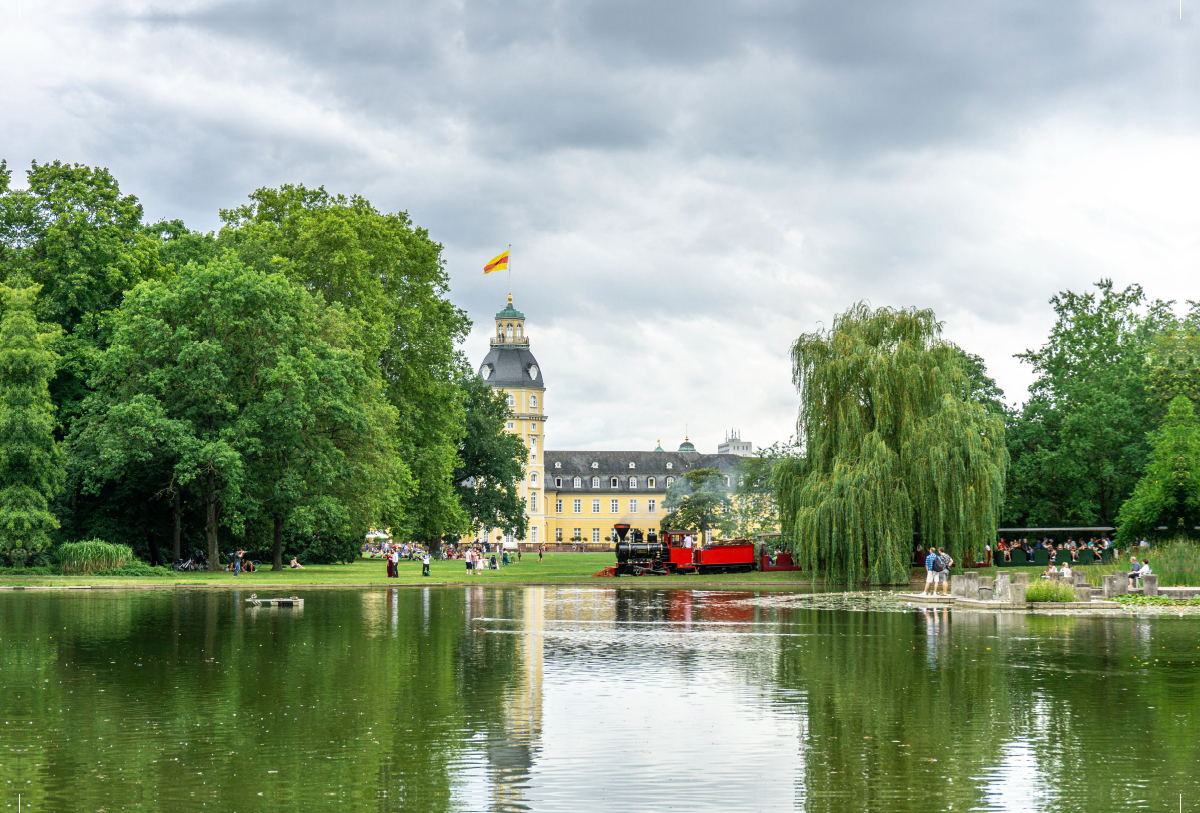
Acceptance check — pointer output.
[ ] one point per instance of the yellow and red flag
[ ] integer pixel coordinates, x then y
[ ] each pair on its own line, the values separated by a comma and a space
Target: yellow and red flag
497, 263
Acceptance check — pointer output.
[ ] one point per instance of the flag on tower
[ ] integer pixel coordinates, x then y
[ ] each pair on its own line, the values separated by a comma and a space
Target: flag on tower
497, 263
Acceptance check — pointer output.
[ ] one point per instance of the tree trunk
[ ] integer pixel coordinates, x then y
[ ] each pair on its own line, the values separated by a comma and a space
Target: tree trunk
155, 556
210, 522
277, 556
177, 534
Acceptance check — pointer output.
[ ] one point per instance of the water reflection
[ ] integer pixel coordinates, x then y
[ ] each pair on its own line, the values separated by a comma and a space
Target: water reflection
566, 698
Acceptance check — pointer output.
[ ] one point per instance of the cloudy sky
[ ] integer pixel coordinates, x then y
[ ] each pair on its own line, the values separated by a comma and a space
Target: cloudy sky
687, 186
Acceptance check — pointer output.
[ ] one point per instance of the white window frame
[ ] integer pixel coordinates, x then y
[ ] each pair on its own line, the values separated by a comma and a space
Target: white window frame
558, 482
533, 535
649, 482
533, 479
633, 482
596, 506
532, 403
633, 506
533, 503
632, 465
595, 536
558, 506
670, 482
613, 482
651, 506
578, 482
558, 535
512, 401
595, 482
577, 507
614, 506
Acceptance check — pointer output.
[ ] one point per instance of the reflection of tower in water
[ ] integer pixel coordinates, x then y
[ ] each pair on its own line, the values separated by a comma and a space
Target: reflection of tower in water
511, 754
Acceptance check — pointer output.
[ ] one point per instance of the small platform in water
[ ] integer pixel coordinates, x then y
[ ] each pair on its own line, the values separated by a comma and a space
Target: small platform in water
276, 602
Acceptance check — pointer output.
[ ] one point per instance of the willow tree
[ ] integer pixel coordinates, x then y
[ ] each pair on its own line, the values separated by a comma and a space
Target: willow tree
894, 442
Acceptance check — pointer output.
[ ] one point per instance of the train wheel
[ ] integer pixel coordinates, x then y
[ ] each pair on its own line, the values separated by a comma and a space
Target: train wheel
637, 571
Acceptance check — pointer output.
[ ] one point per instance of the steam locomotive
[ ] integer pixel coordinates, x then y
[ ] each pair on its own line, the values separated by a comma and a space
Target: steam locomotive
647, 554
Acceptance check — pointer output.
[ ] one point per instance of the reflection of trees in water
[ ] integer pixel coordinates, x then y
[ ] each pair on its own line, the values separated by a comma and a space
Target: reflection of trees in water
141, 688
887, 693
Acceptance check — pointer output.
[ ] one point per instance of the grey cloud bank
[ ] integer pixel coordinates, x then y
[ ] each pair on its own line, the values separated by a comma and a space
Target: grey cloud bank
688, 186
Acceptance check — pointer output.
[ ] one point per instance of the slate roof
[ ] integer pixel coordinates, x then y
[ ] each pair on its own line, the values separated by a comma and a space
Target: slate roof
510, 368
616, 464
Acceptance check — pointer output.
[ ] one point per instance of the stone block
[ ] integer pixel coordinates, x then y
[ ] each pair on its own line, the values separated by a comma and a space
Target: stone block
985, 594
1150, 585
1021, 577
1083, 593
1116, 584
1002, 585
1017, 593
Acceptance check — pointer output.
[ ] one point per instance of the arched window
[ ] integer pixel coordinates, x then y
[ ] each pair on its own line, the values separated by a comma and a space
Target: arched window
519, 331
578, 483
595, 482
558, 482
533, 479
670, 481
612, 483
649, 482
533, 502
532, 402
633, 482
512, 402
508, 331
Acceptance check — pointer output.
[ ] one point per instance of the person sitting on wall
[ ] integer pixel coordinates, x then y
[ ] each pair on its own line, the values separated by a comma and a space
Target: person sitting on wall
1134, 567
1066, 571
1051, 572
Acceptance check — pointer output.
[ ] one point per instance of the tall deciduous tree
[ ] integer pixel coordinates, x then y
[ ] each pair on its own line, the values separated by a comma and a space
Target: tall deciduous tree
492, 462
892, 443
389, 275
1169, 492
1078, 444
31, 468
242, 380
699, 501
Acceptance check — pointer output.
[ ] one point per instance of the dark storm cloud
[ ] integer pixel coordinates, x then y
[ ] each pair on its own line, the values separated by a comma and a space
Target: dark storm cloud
688, 185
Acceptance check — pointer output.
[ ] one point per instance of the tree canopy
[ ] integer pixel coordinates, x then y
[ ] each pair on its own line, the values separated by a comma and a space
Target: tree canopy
1169, 492
31, 469
491, 462
892, 442
699, 501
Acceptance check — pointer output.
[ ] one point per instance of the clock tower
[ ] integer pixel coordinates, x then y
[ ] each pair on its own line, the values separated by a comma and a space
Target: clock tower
509, 366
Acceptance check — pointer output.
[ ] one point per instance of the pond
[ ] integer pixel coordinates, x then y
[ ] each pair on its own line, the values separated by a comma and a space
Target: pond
579, 698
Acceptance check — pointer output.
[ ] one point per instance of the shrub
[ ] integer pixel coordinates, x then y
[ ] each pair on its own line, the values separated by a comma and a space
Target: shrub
93, 555
1046, 590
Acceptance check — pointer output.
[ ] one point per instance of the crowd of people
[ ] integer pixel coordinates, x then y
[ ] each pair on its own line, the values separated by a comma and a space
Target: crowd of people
1097, 545
475, 556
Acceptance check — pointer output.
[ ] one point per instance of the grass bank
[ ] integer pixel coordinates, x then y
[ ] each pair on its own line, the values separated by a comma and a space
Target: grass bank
556, 568
1177, 564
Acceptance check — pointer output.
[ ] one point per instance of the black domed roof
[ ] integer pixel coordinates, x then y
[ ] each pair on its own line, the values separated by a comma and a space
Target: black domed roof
512, 367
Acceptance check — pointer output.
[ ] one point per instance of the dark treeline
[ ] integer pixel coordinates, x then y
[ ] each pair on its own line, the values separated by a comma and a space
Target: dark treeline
282, 384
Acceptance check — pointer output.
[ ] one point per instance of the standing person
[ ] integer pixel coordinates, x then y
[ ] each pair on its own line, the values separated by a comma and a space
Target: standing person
931, 561
944, 575
394, 558
518, 554
540, 549
237, 562
425, 562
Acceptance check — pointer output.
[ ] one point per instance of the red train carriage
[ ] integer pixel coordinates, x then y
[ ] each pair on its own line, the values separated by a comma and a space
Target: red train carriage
676, 552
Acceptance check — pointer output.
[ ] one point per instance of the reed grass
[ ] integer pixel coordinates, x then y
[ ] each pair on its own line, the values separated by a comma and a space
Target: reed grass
92, 555
1176, 563
1047, 590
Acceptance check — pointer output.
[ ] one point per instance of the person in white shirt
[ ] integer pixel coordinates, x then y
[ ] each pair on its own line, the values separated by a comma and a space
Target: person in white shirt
1067, 573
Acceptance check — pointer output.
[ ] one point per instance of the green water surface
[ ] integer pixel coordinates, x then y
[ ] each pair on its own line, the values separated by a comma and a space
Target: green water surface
575, 699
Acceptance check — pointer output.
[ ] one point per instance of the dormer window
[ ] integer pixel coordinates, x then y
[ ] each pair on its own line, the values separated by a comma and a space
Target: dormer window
633, 465
595, 465
612, 483
670, 482
633, 482
578, 483
557, 464
649, 482
670, 465
558, 482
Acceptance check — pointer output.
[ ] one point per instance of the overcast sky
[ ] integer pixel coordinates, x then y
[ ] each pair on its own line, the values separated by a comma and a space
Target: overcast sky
688, 186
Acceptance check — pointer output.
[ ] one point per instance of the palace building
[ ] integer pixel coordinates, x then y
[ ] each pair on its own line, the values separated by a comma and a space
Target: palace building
579, 495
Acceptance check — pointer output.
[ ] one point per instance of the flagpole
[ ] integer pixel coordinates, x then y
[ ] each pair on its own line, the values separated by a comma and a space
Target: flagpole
509, 265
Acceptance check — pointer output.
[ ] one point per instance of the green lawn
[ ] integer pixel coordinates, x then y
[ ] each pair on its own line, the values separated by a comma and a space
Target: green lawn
556, 568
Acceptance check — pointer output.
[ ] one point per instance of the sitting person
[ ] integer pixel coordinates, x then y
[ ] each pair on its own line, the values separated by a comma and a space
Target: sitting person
1066, 571
1134, 567
1051, 572
294, 564
1007, 551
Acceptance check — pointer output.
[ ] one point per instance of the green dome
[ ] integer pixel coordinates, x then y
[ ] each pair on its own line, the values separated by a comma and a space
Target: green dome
686, 446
